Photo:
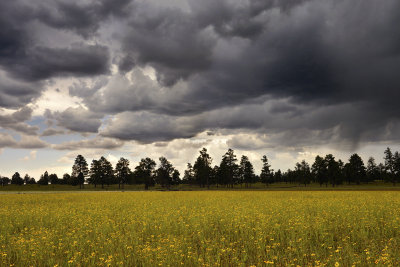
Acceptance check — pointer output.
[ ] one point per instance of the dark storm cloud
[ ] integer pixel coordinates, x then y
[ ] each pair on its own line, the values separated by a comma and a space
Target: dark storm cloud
15, 94
319, 68
168, 39
340, 58
26, 60
43, 62
315, 52
83, 19
146, 127
342, 125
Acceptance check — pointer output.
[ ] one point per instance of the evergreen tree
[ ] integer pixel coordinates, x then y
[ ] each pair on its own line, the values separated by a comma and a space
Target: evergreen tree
278, 177
80, 166
202, 168
176, 177
390, 166
373, 172
266, 175
164, 172
53, 178
228, 168
16, 179
107, 172
303, 172
214, 176
95, 173
246, 171
396, 166
189, 176
145, 170
355, 169
29, 180
66, 179
44, 179
122, 171
319, 170
333, 170
4, 181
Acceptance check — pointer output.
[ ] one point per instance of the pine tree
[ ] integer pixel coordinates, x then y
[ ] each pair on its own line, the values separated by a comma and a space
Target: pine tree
80, 166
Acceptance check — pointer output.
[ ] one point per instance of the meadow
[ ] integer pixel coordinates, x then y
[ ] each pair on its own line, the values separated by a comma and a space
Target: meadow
200, 228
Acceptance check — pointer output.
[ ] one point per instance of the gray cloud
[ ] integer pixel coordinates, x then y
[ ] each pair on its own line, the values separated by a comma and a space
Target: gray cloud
77, 119
52, 131
146, 127
96, 143
26, 142
169, 40
6, 140
31, 142
16, 121
291, 69
25, 59
15, 94
295, 125
43, 62
82, 18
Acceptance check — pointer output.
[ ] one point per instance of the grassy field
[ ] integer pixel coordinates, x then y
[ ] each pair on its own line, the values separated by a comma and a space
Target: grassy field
228, 228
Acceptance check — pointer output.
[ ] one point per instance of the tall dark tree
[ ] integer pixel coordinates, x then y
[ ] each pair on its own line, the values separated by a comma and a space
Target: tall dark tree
396, 166
341, 176
95, 173
266, 175
145, 170
390, 166
53, 178
16, 179
382, 171
164, 173
80, 166
176, 177
4, 181
355, 169
189, 176
107, 172
44, 179
229, 169
246, 171
303, 172
29, 180
333, 170
319, 170
278, 177
122, 171
373, 172
66, 179
214, 176
202, 168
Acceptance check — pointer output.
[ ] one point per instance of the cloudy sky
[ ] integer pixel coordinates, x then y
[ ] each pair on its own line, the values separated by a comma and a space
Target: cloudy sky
135, 78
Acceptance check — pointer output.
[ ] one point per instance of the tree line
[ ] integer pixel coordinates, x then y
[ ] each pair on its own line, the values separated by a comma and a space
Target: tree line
230, 172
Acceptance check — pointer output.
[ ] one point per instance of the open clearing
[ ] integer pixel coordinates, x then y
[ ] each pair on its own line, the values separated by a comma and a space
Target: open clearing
228, 228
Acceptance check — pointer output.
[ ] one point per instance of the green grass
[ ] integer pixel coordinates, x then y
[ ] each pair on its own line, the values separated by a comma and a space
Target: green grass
217, 228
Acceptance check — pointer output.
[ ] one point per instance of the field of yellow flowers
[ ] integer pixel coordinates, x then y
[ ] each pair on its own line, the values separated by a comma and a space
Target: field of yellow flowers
218, 228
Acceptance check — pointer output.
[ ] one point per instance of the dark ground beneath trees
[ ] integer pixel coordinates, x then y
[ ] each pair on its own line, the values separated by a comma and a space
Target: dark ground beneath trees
183, 187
